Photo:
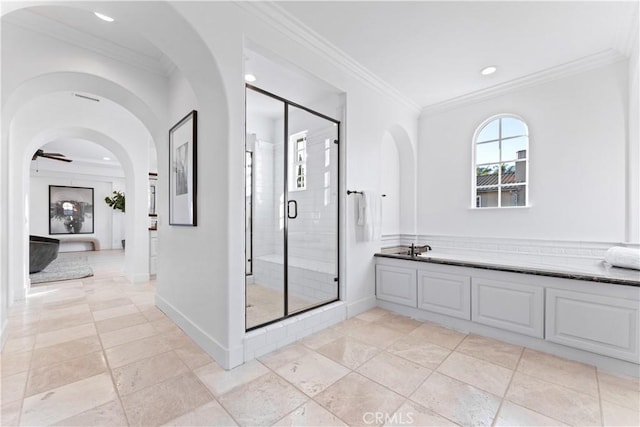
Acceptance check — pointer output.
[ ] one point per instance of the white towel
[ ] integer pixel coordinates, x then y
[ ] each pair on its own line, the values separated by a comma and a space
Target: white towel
619, 256
369, 217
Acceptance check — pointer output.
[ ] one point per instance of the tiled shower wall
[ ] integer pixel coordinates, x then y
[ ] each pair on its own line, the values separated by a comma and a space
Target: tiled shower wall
312, 256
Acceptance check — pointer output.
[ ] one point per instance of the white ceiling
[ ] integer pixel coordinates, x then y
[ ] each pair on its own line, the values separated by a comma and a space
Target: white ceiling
82, 28
81, 151
433, 51
283, 79
429, 51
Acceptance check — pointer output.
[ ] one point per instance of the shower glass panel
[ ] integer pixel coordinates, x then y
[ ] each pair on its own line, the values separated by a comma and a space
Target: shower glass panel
312, 214
265, 287
291, 167
248, 219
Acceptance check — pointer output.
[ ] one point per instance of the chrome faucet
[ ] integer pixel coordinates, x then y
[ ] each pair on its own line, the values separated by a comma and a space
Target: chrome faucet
416, 250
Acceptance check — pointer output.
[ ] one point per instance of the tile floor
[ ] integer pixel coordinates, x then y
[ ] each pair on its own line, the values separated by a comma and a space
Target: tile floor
97, 352
265, 304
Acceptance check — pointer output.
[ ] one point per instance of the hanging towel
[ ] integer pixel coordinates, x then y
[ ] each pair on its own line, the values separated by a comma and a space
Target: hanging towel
369, 217
619, 256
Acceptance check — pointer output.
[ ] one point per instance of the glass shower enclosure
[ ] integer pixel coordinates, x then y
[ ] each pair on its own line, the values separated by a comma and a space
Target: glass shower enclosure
291, 245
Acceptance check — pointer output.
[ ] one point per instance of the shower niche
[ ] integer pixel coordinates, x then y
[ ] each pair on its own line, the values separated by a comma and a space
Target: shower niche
291, 171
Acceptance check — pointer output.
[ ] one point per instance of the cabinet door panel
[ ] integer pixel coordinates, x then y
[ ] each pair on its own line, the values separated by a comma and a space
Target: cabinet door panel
601, 324
512, 306
444, 293
396, 284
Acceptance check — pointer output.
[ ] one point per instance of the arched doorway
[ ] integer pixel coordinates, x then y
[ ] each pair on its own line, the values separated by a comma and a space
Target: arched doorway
58, 115
199, 86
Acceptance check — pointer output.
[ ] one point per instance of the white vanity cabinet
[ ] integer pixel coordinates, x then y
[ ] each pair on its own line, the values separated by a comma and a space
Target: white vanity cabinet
444, 293
396, 284
598, 323
508, 305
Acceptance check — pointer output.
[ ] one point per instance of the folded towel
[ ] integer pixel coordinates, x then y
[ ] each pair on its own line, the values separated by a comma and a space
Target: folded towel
619, 256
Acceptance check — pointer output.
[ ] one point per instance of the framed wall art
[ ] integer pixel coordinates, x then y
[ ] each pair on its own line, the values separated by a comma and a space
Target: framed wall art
153, 187
70, 210
183, 171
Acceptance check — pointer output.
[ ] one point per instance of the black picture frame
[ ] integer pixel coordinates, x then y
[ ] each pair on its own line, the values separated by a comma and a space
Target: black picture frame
71, 210
153, 191
183, 145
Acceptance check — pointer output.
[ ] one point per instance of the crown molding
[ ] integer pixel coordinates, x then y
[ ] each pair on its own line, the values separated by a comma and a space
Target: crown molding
278, 18
581, 65
37, 23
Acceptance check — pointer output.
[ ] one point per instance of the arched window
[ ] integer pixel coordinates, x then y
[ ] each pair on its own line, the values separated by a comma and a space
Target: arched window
501, 152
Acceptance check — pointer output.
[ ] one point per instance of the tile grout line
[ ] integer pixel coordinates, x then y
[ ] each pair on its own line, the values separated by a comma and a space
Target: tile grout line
26, 382
600, 398
504, 396
40, 309
539, 379
106, 360
312, 398
435, 370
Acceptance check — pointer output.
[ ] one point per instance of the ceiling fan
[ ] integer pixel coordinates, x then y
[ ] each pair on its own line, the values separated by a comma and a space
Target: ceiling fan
53, 156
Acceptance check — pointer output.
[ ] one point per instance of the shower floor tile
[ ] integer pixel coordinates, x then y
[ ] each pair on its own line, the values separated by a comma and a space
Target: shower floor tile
265, 304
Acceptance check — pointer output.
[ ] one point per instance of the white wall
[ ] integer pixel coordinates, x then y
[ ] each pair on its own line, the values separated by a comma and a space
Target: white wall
61, 115
201, 269
40, 66
390, 186
577, 152
369, 113
106, 230
633, 151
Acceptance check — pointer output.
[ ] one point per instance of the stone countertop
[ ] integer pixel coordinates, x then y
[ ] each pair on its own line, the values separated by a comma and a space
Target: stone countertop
564, 267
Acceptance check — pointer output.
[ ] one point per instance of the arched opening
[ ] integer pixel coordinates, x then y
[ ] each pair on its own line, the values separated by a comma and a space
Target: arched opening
59, 115
80, 164
157, 101
399, 182
390, 186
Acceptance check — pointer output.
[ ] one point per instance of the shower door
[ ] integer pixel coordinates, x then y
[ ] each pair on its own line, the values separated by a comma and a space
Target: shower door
292, 206
312, 210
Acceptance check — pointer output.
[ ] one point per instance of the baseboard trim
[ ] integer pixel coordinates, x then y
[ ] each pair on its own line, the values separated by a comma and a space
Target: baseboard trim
605, 363
3, 334
205, 341
140, 278
360, 306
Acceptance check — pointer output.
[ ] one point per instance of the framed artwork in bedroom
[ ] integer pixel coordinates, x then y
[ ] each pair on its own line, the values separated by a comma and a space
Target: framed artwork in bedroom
70, 210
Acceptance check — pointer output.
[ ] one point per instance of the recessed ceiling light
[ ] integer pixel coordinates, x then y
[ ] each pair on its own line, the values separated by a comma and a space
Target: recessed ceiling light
249, 78
106, 158
488, 70
103, 17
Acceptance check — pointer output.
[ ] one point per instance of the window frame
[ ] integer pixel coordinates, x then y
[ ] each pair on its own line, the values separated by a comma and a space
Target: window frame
500, 163
294, 164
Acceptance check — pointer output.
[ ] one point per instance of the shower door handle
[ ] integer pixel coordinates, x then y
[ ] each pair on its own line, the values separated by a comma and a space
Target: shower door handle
295, 206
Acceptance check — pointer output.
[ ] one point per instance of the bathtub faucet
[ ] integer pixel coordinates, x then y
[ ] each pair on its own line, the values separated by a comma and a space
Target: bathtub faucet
416, 250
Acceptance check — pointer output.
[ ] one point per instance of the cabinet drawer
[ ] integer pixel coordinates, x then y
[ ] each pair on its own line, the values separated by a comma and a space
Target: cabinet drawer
444, 293
512, 306
396, 284
600, 324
